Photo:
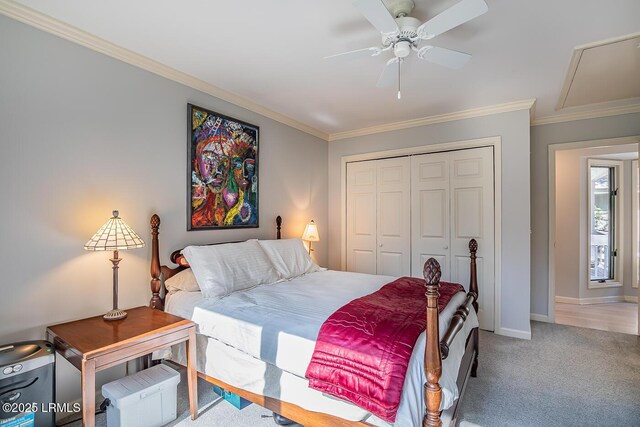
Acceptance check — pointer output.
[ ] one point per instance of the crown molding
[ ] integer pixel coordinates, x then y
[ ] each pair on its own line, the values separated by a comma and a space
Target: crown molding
527, 104
58, 28
585, 115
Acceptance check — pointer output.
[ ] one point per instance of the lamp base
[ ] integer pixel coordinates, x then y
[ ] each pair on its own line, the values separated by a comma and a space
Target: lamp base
116, 314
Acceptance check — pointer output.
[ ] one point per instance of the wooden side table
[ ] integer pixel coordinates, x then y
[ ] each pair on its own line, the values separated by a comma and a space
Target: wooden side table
94, 344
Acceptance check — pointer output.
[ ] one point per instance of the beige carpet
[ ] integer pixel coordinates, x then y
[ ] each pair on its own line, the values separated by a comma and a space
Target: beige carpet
565, 376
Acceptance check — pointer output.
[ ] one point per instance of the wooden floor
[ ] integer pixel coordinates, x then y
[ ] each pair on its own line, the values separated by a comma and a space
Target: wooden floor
615, 317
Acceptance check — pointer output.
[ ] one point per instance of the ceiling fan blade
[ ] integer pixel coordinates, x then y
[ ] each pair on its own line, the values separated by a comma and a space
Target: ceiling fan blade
456, 15
389, 73
445, 57
377, 13
367, 51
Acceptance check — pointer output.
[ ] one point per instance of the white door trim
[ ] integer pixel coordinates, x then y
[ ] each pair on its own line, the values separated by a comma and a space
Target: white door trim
634, 223
496, 142
553, 148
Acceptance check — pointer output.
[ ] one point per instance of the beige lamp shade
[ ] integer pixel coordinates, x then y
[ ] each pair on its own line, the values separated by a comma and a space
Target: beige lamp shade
114, 235
311, 232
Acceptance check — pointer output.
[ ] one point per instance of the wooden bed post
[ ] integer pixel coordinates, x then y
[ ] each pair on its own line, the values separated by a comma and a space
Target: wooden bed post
473, 281
278, 226
473, 287
156, 301
432, 358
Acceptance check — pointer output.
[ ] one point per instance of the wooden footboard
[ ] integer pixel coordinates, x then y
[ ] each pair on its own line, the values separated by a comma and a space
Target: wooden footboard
437, 348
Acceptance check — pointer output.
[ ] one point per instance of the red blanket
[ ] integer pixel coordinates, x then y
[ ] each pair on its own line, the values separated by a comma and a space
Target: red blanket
363, 349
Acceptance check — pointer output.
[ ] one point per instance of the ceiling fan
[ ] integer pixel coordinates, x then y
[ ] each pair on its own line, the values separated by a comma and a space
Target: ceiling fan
404, 34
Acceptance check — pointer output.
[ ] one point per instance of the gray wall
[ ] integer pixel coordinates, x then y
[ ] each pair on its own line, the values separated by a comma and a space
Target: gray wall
568, 225
82, 134
541, 138
513, 128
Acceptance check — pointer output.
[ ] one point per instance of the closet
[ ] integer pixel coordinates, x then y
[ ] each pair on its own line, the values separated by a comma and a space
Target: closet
402, 211
378, 212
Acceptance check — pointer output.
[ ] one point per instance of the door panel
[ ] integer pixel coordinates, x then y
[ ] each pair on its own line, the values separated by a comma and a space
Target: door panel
363, 222
468, 212
394, 226
363, 261
430, 212
472, 208
361, 217
433, 222
391, 263
391, 223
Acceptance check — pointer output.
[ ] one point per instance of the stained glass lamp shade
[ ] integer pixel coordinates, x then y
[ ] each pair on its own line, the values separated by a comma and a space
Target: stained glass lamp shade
311, 234
114, 235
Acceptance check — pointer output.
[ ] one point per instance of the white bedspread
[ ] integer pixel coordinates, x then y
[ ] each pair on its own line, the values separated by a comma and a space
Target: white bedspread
279, 323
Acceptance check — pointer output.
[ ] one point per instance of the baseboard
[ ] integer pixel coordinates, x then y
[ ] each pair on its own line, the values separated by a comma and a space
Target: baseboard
567, 300
595, 300
514, 333
539, 317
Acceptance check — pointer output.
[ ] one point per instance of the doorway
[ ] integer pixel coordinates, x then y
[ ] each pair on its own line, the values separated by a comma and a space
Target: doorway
593, 237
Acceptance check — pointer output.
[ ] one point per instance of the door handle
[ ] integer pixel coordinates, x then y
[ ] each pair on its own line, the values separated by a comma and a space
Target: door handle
445, 247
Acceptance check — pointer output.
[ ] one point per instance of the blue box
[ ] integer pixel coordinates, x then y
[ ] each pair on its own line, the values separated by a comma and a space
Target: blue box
25, 420
232, 398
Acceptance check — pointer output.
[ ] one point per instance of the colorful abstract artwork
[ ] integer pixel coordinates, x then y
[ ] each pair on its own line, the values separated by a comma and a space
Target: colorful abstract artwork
223, 171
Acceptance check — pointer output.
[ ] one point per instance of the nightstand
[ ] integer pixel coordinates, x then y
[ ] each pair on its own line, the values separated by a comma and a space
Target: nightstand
94, 344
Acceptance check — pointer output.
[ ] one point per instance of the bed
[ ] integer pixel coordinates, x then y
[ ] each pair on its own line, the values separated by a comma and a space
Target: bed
258, 342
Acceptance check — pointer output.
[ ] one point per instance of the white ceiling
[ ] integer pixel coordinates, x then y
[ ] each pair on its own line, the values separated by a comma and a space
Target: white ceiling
271, 52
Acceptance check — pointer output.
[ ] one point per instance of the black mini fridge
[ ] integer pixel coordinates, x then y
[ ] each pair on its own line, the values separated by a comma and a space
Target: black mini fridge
27, 384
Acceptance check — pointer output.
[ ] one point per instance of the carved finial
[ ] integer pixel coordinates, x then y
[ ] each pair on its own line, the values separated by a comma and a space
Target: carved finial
432, 272
473, 246
155, 221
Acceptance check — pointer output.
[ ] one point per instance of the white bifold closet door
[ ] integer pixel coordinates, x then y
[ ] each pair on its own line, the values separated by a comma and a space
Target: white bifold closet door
378, 217
402, 211
452, 201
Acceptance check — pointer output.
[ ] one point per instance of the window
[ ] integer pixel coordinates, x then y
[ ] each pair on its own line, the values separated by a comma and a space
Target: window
602, 221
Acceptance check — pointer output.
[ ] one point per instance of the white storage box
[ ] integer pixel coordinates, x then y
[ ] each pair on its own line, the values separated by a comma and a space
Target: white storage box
145, 399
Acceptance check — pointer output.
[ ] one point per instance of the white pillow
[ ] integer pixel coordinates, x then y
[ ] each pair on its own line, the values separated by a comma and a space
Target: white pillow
289, 256
223, 269
183, 281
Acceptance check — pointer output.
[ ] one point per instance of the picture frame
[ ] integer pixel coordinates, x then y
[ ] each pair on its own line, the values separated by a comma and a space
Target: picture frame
222, 171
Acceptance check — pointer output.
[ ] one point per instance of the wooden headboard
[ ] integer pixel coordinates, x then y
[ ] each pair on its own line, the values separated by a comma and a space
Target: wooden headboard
160, 273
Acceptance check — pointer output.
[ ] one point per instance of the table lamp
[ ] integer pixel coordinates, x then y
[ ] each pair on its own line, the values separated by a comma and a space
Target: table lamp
311, 234
114, 235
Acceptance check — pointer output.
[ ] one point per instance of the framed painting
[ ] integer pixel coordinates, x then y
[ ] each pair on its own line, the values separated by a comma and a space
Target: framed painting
223, 171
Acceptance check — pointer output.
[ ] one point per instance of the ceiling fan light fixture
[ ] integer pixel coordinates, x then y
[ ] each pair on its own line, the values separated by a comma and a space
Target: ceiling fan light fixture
402, 49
